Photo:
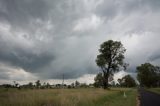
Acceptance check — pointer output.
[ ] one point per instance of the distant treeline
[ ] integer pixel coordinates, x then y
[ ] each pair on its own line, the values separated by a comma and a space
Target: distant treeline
45, 85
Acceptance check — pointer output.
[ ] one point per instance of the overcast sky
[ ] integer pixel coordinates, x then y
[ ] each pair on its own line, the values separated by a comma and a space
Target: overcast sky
44, 39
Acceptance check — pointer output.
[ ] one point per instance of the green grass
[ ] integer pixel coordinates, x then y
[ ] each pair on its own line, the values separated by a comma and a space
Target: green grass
156, 90
68, 97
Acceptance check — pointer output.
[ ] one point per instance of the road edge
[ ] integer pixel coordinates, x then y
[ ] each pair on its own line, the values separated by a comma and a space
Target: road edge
138, 98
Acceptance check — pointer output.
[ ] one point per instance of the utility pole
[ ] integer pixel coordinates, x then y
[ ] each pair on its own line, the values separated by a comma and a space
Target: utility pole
63, 82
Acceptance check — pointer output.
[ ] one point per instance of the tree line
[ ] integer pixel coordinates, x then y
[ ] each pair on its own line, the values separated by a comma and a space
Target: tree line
39, 85
126, 81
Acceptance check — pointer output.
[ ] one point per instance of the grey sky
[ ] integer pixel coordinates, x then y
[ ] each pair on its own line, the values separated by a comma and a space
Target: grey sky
43, 39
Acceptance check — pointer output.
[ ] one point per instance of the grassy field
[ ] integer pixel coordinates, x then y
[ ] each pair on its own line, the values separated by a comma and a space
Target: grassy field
68, 97
156, 90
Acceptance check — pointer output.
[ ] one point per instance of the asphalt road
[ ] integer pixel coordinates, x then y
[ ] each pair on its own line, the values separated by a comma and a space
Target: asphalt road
148, 98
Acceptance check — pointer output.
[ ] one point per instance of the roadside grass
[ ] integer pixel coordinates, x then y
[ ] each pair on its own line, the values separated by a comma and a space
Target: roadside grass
68, 97
118, 98
155, 90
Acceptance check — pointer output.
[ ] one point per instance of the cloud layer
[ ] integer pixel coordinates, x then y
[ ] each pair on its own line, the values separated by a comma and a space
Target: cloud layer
45, 39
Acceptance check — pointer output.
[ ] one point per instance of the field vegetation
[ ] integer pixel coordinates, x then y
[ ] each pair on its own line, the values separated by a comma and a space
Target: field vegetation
68, 97
155, 90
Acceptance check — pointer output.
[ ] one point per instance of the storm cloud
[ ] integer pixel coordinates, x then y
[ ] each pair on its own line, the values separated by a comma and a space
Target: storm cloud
45, 39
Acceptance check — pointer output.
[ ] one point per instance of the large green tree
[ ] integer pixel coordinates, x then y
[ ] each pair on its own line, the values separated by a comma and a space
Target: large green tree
148, 75
110, 59
127, 81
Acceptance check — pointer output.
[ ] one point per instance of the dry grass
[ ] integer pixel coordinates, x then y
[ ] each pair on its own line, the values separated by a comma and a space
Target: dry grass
62, 97
155, 90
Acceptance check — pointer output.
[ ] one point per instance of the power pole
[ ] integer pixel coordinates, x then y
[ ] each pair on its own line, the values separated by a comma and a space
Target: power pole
63, 82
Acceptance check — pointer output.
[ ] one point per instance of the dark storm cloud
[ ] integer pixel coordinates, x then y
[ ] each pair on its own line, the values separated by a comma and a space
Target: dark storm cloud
49, 38
29, 17
20, 13
27, 61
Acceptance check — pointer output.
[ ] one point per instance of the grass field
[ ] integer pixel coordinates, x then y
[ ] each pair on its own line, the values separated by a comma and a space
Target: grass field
156, 90
68, 97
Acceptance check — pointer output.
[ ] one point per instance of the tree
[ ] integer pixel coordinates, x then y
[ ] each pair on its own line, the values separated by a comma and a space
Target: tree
120, 81
38, 84
77, 84
30, 85
72, 85
148, 75
98, 80
127, 81
48, 85
110, 59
